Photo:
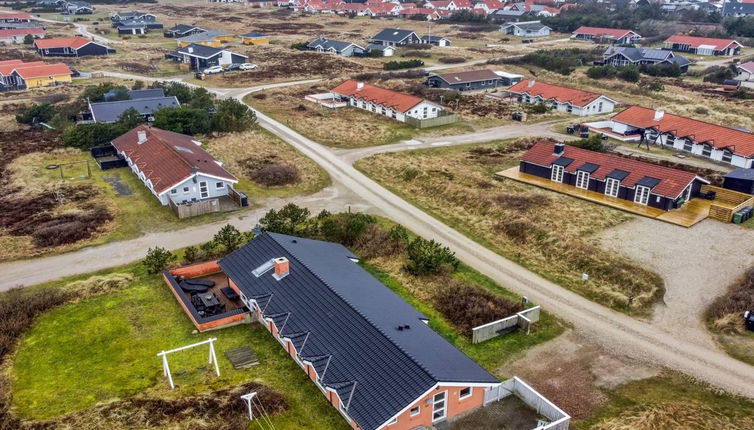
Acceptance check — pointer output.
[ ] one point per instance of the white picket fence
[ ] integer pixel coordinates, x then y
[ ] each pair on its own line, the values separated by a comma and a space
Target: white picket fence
559, 420
523, 319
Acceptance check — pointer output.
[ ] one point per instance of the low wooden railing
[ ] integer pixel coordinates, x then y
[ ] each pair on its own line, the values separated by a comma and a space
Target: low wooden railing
730, 202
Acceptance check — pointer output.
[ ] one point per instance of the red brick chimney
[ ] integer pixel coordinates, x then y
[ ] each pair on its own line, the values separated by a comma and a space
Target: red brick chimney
282, 267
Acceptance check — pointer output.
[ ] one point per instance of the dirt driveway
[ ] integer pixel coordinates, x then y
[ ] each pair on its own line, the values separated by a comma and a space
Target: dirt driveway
698, 265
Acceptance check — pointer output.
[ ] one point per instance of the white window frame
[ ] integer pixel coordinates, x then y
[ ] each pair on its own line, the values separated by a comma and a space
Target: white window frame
174, 191
393, 421
582, 179
557, 173
220, 185
185, 190
641, 195
203, 185
418, 410
443, 409
612, 187
460, 393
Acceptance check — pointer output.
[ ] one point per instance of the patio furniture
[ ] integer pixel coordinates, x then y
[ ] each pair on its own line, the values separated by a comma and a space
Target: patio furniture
189, 288
201, 282
230, 293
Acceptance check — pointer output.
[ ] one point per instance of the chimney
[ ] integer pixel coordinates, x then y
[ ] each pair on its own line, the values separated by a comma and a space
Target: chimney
359, 86
190, 49
531, 83
282, 267
142, 136
659, 114
559, 149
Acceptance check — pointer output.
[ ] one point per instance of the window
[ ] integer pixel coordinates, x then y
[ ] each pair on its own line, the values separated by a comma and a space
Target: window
582, 180
611, 187
220, 185
464, 393
415, 411
439, 408
393, 421
600, 107
727, 156
687, 145
557, 173
185, 190
642, 195
174, 191
203, 191
706, 150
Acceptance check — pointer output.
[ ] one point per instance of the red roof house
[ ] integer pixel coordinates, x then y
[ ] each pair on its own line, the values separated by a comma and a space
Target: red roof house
729, 144
614, 35
17, 75
70, 47
564, 99
17, 35
624, 178
702, 45
386, 102
173, 164
14, 17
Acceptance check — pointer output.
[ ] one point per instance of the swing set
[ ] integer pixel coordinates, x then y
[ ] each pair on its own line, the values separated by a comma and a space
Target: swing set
166, 367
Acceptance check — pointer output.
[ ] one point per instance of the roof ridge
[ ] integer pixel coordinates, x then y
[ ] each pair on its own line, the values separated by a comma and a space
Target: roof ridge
350, 305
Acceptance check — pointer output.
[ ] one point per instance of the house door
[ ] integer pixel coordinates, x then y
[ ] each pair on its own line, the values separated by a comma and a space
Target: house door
439, 406
203, 191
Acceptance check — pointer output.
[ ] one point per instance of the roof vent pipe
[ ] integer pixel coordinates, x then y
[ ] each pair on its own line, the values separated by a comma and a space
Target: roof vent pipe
141, 135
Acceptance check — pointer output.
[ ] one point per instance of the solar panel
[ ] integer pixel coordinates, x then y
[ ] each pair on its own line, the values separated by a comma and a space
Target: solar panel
648, 182
589, 167
563, 161
618, 174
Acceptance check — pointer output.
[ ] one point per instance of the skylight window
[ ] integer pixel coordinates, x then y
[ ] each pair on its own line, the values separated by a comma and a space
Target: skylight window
264, 268
182, 149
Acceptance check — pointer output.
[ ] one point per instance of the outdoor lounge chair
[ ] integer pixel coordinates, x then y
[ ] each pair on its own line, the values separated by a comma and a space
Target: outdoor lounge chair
200, 282
229, 293
189, 288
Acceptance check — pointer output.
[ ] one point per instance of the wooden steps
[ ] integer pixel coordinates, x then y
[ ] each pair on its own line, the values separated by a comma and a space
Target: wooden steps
242, 357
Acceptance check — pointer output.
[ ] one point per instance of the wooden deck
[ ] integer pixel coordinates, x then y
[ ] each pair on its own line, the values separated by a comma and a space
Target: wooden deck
691, 213
221, 281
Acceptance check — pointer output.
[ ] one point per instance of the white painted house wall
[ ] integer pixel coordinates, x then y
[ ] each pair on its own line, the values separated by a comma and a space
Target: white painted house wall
418, 111
599, 106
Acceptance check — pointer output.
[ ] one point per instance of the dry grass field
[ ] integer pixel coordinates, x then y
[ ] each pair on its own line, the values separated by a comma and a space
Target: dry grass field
544, 231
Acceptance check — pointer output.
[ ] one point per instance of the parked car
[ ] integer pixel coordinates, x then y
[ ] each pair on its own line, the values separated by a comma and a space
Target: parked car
231, 67
247, 66
212, 70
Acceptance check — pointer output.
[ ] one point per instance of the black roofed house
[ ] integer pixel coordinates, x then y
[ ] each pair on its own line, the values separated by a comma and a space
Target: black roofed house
738, 8
436, 40
525, 29
70, 47
255, 38
474, 80
201, 56
628, 56
183, 30
385, 51
132, 16
395, 37
623, 178
77, 7
371, 353
105, 112
344, 49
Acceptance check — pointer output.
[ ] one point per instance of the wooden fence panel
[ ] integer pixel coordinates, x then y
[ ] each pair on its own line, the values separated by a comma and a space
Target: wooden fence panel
432, 122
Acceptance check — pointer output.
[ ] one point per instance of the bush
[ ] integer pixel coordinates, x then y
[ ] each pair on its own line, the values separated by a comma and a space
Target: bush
190, 254
537, 108
228, 237
419, 46
185, 120
233, 116
652, 86
157, 259
418, 54
276, 175
301, 46
429, 257
406, 64
345, 228
736, 301
86, 136
97, 93
290, 219
629, 74
35, 113
451, 60
467, 306
592, 143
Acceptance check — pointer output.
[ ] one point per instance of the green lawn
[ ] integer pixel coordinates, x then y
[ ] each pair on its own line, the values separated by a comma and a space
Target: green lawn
104, 348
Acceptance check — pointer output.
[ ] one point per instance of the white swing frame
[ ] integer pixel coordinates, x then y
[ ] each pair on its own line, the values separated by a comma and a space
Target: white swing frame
166, 367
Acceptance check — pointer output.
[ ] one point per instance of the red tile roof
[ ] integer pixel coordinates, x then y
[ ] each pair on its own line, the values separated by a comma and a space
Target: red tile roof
740, 142
696, 42
11, 32
42, 70
14, 15
554, 92
75, 42
381, 96
167, 158
672, 181
7, 67
615, 33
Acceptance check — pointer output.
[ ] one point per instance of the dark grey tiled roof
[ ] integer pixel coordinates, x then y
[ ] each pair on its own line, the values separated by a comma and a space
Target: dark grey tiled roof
327, 44
736, 8
111, 111
352, 324
392, 35
254, 34
202, 51
148, 93
182, 28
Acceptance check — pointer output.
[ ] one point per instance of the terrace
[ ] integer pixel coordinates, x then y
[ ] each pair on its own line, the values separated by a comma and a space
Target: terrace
205, 294
689, 214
